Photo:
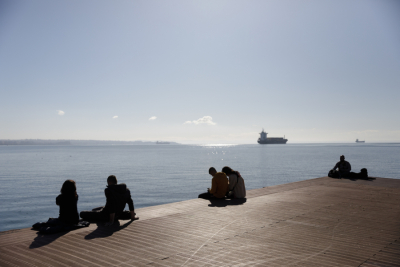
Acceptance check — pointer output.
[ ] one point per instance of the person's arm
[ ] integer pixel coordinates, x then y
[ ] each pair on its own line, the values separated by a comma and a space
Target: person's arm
213, 189
130, 204
336, 166
232, 181
129, 200
133, 215
58, 200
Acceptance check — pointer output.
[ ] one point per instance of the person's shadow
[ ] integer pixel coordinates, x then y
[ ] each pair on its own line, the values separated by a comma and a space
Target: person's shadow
104, 231
217, 202
43, 240
356, 176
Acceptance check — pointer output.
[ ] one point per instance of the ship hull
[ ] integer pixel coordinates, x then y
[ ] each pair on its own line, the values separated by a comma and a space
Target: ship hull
272, 141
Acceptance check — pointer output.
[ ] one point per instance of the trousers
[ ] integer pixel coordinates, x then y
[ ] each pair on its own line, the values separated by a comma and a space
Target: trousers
95, 214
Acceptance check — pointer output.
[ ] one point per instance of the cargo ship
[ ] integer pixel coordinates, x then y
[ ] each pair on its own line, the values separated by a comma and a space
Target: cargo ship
358, 141
270, 140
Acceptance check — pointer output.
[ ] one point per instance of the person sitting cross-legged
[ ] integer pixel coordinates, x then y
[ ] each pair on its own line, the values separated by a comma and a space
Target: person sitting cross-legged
344, 167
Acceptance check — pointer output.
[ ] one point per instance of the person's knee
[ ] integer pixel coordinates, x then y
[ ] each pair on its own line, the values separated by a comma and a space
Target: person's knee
204, 195
84, 213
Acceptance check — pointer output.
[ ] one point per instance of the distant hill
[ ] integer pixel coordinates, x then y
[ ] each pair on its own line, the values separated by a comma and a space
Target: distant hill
74, 142
33, 142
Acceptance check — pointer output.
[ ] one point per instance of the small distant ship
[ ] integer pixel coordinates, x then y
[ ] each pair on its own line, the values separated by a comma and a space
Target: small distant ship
162, 143
270, 140
358, 141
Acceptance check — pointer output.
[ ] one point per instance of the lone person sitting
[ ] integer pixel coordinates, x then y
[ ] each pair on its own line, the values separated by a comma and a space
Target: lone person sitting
117, 196
343, 167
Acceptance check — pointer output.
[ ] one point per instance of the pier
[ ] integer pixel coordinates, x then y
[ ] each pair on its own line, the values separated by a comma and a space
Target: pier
316, 222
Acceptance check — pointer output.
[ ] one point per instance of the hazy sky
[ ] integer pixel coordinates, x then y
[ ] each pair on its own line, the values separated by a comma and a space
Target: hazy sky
200, 71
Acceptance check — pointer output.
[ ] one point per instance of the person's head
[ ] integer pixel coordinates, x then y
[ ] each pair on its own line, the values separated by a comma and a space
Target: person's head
112, 180
227, 170
212, 171
342, 158
69, 188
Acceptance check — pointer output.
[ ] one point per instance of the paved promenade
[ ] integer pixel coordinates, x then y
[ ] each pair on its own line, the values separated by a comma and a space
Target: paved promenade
317, 222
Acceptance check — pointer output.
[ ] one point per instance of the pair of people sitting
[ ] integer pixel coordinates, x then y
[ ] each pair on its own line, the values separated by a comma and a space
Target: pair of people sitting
221, 187
117, 196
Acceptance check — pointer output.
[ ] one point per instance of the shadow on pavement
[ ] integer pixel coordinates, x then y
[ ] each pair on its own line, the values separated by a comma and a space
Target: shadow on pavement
225, 202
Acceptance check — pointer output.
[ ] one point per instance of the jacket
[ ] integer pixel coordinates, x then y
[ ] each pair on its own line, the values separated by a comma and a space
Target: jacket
219, 185
68, 209
117, 196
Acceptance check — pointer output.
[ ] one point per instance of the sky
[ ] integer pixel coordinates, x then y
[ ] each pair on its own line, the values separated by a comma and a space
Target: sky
200, 72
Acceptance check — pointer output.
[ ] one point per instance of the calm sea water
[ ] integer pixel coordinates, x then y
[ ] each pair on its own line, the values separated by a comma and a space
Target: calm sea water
31, 176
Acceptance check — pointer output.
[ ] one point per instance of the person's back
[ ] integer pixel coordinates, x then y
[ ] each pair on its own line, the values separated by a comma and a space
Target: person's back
236, 184
219, 185
68, 200
117, 196
68, 208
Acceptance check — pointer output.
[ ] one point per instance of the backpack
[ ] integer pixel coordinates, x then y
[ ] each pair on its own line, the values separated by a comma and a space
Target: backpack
364, 173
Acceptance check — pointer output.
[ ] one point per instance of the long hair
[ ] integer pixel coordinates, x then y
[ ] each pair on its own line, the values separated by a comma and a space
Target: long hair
228, 171
69, 188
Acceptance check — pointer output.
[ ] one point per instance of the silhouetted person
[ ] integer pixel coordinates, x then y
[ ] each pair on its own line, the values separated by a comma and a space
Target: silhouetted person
343, 167
219, 185
236, 182
117, 196
68, 201
69, 218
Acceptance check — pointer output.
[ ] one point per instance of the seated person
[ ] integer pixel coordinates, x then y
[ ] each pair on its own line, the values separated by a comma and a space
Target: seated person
68, 201
117, 195
219, 185
236, 182
343, 166
69, 218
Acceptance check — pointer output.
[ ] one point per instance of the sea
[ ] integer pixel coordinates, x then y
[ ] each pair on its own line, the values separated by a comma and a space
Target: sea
31, 176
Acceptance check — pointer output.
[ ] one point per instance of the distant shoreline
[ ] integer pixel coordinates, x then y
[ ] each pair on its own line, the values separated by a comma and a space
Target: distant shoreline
25, 142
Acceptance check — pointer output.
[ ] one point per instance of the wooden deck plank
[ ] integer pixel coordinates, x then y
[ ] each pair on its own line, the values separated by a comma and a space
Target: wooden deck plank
318, 222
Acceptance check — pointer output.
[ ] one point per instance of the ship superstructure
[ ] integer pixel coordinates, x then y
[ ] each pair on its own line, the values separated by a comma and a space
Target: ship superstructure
270, 140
